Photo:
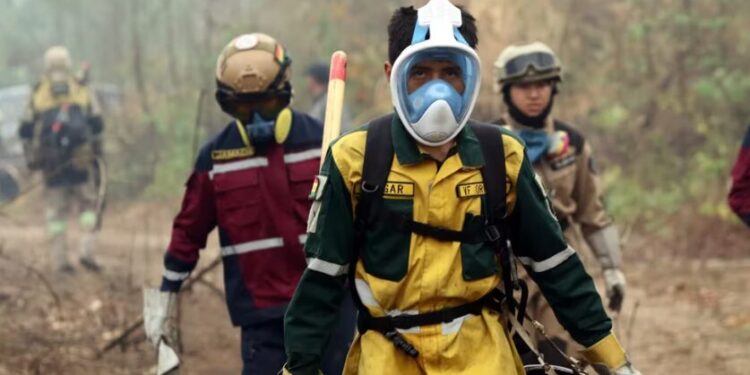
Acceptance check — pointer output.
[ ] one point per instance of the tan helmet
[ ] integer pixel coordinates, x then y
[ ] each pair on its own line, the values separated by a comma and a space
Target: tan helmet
252, 69
57, 61
527, 63
252, 64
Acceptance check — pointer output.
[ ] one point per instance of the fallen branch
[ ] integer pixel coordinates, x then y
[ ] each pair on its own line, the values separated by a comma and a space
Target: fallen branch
36, 273
631, 323
132, 327
215, 289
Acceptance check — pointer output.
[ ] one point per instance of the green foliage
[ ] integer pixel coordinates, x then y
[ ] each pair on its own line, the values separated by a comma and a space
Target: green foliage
611, 117
671, 129
175, 124
637, 31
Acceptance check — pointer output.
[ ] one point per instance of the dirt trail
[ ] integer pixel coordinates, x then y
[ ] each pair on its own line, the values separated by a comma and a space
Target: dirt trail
692, 316
53, 324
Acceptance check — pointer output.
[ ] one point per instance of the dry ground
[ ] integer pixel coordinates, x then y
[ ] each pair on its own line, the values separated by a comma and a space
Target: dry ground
686, 310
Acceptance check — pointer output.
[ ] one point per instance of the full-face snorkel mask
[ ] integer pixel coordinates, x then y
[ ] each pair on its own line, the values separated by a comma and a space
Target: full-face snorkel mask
435, 113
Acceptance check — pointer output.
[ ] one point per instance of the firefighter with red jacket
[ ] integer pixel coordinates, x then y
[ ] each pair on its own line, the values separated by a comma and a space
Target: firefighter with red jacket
252, 181
739, 195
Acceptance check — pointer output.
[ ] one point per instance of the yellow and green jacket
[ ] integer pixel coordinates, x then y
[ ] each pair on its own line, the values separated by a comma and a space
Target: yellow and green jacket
403, 273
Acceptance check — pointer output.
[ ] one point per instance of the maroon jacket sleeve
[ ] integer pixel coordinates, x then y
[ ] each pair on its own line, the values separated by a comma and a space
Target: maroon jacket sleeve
197, 218
739, 195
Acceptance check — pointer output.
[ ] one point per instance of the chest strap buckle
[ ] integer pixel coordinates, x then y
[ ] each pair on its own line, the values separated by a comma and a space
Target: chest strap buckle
492, 233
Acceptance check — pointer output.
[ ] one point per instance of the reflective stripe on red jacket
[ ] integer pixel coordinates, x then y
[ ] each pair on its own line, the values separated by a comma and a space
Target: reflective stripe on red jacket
259, 201
739, 195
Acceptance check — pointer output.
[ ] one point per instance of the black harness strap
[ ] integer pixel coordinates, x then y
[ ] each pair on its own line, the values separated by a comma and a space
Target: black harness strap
495, 176
472, 233
493, 173
447, 315
377, 166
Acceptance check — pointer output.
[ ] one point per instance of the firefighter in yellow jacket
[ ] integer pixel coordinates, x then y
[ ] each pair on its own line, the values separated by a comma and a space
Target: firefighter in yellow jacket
527, 75
406, 208
61, 137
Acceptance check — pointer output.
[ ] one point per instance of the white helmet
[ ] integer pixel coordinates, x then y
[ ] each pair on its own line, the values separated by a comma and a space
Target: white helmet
435, 113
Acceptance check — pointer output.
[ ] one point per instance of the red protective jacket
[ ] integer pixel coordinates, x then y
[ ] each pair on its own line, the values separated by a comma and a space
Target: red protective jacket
258, 198
739, 195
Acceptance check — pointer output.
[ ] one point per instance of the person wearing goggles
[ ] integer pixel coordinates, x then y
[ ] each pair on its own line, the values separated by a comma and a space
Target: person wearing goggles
527, 76
317, 89
406, 211
251, 181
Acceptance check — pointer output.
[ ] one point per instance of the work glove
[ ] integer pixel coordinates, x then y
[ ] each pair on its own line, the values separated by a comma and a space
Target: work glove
627, 369
284, 371
614, 281
158, 308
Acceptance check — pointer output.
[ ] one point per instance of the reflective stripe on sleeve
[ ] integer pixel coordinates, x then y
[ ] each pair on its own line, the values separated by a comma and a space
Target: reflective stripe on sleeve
297, 157
238, 165
302, 238
247, 247
328, 268
175, 276
548, 263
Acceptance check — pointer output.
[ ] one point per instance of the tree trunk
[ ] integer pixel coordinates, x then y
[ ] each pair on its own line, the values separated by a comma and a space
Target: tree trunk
137, 50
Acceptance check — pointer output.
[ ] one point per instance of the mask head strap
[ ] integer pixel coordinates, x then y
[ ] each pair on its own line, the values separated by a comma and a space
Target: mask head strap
420, 34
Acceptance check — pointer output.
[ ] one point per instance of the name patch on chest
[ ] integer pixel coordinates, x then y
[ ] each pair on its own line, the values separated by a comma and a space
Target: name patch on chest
475, 189
398, 189
231, 153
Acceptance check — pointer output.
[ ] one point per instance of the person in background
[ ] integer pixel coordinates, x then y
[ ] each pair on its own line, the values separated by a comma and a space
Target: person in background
252, 181
61, 134
317, 88
527, 76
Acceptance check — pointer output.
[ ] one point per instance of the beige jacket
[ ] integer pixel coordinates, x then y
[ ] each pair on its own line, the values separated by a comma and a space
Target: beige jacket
571, 182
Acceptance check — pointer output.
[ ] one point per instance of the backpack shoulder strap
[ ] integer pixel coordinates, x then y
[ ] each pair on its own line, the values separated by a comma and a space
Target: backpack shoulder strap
375, 169
377, 166
493, 173
378, 158
494, 176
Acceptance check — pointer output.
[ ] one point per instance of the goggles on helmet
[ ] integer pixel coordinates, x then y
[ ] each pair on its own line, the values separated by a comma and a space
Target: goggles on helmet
225, 93
520, 65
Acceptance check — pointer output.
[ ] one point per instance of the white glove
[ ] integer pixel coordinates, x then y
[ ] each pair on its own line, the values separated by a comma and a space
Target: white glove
614, 281
168, 360
157, 309
627, 369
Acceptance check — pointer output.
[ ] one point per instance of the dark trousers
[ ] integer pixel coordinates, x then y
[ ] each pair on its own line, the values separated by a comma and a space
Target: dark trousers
263, 345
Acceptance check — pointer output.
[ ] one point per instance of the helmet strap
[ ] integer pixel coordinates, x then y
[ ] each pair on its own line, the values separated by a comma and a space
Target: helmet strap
279, 79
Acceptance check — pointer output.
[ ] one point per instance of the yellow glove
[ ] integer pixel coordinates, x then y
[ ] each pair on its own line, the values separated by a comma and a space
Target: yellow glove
606, 352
